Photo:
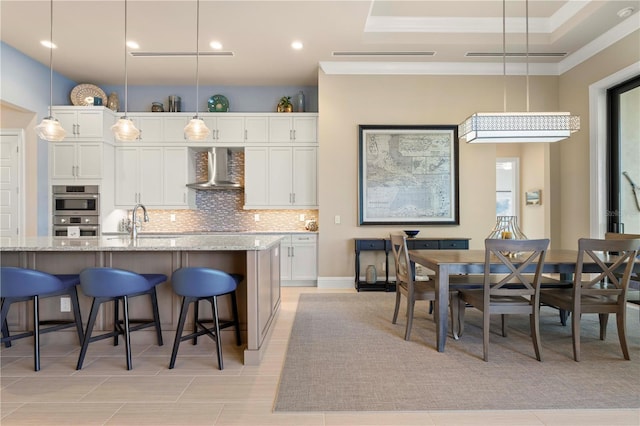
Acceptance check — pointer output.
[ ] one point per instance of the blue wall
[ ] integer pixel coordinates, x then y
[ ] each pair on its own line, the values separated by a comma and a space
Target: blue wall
24, 83
241, 98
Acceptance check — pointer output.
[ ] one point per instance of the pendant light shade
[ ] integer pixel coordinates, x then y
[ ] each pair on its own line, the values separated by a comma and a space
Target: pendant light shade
505, 127
50, 129
124, 129
196, 130
517, 127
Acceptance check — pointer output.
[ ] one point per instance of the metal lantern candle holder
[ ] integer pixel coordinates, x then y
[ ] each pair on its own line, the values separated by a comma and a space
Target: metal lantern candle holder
507, 228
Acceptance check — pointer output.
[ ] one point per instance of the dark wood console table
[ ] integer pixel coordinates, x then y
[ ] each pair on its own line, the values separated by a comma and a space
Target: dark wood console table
384, 244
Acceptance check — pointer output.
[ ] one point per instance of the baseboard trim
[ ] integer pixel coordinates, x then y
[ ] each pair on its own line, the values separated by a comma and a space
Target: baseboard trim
336, 282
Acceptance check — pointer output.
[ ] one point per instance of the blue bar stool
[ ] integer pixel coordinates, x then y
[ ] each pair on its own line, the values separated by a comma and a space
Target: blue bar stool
20, 285
110, 284
195, 284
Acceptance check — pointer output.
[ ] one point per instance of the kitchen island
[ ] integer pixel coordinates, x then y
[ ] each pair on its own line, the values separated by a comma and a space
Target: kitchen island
256, 256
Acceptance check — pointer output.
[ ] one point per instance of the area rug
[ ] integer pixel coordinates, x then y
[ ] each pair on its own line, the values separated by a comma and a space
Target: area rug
345, 355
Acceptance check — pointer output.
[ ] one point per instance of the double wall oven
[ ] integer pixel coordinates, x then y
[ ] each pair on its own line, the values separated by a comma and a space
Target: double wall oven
76, 209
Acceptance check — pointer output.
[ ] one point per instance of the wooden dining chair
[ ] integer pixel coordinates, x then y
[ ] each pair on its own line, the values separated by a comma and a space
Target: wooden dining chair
633, 294
513, 292
603, 292
413, 290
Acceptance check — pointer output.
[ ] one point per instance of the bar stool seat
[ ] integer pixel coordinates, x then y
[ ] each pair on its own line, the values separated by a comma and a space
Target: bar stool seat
20, 285
111, 284
195, 284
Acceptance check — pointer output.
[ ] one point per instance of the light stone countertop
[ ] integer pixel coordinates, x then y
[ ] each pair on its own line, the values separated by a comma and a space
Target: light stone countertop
149, 242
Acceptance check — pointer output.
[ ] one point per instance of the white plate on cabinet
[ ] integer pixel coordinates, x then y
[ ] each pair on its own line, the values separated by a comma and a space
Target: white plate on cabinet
81, 94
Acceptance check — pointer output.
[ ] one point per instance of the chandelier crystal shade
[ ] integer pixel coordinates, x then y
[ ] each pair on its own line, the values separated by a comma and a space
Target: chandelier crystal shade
517, 127
50, 129
196, 130
124, 129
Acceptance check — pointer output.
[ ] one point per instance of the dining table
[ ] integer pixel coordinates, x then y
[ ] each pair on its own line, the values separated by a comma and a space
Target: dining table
451, 263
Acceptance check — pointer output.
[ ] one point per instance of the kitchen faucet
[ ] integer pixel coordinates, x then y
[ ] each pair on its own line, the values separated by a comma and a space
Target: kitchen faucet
134, 220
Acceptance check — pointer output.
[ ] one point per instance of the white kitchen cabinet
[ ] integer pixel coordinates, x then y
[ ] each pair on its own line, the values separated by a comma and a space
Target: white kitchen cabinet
299, 259
139, 176
226, 128
86, 123
287, 128
176, 175
256, 177
154, 176
280, 177
150, 126
75, 160
174, 127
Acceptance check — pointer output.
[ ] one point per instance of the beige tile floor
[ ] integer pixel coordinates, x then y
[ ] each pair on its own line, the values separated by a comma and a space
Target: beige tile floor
197, 393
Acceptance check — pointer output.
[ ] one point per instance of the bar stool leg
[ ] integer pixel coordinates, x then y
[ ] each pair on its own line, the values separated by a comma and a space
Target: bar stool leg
36, 333
236, 317
95, 307
216, 320
5, 327
156, 315
75, 305
196, 314
176, 342
127, 334
116, 319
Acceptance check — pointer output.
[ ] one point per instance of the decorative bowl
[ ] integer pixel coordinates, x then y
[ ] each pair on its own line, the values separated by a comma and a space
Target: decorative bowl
411, 233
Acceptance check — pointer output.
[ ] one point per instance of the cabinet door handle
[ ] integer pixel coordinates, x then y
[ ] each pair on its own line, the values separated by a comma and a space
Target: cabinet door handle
294, 197
140, 135
78, 129
77, 171
294, 134
246, 134
292, 252
291, 134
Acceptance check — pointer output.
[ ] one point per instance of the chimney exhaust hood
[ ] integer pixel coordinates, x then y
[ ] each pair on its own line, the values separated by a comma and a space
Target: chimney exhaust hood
218, 177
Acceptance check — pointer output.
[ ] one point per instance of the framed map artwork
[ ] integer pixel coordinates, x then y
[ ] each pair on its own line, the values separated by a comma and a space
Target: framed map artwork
408, 175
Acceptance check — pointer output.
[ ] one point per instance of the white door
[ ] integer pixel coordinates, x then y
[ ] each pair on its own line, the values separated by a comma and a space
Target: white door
304, 261
305, 129
151, 176
127, 160
256, 176
10, 182
176, 175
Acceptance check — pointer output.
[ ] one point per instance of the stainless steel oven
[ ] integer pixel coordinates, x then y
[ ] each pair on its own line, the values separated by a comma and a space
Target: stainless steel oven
88, 226
76, 210
76, 200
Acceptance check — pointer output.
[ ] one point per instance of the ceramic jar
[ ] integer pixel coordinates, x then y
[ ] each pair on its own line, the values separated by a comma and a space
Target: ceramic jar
157, 107
113, 103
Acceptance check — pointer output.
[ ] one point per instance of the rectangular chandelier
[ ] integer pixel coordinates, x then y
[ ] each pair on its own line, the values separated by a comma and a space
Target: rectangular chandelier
517, 127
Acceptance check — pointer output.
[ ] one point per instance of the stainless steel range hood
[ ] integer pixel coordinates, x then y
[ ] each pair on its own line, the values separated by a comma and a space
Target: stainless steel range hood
218, 177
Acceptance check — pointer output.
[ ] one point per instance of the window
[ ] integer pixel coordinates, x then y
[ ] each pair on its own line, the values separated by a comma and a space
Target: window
507, 196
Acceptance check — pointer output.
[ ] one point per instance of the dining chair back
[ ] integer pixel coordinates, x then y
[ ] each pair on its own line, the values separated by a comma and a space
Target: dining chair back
633, 294
601, 292
412, 290
20, 285
509, 288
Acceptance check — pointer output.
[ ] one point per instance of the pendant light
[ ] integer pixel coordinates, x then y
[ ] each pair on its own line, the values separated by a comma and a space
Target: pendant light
124, 129
196, 130
50, 129
517, 127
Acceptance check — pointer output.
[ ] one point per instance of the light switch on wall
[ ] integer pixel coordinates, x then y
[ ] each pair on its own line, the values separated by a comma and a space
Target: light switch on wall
256, 217
336, 220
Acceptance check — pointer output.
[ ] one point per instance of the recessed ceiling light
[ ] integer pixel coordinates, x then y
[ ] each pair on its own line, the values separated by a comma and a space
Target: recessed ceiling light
215, 45
626, 12
297, 45
133, 45
48, 44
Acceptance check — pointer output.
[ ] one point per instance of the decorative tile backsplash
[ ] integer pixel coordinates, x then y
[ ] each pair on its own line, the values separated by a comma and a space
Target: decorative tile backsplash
221, 209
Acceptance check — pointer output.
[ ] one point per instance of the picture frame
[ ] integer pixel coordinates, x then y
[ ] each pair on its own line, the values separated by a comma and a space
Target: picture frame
533, 198
408, 175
